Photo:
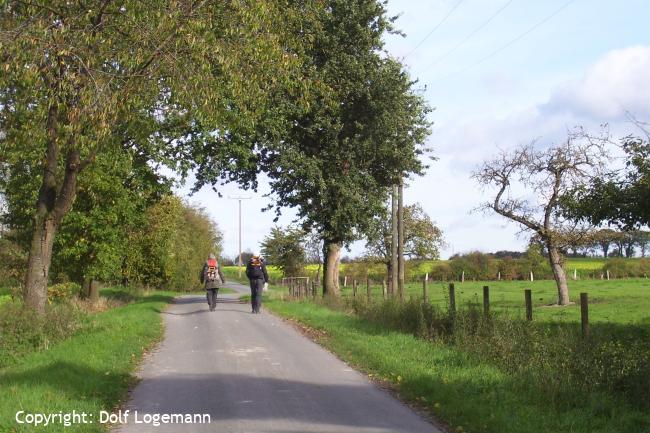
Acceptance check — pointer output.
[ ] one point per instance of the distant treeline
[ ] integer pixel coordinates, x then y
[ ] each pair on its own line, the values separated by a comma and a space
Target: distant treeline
485, 267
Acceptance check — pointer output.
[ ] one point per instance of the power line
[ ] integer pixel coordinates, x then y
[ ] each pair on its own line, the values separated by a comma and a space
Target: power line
468, 37
511, 42
442, 21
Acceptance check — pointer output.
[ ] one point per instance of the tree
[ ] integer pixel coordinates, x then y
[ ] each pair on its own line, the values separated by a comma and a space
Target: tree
284, 249
542, 177
172, 245
340, 156
642, 239
364, 127
620, 197
422, 238
604, 238
72, 75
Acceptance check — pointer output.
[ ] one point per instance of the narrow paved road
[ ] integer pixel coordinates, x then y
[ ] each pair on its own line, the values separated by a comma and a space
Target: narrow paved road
254, 373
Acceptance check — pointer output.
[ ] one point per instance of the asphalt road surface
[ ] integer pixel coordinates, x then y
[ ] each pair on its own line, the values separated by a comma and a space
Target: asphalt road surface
254, 373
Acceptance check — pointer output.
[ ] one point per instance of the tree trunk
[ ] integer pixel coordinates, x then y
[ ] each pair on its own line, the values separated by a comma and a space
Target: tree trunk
555, 259
51, 207
38, 264
392, 288
93, 291
400, 240
332, 252
389, 272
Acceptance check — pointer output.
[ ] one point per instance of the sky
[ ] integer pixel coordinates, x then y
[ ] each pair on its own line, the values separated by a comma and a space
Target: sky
498, 73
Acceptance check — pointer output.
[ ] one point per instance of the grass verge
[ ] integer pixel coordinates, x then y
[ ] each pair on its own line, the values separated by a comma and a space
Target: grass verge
89, 372
462, 390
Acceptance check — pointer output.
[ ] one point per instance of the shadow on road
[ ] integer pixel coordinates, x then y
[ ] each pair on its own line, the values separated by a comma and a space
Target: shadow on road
239, 397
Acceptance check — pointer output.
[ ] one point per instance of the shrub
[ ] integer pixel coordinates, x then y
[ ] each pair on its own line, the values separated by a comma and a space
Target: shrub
22, 330
619, 268
62, 291
442, 271
552, 357
476, 265
509, 269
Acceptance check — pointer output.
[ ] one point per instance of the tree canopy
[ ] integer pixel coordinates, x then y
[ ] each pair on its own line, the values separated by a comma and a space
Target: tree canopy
619, 197
75, 74
364, 128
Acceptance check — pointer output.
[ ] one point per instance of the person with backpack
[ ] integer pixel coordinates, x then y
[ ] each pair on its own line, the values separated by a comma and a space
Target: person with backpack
258, 277
212, 277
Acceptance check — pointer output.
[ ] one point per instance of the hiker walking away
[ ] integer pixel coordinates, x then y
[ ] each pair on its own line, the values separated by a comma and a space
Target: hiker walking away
256, 273
213, 278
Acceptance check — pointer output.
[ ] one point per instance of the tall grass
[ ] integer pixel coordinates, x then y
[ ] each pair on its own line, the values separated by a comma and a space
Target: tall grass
466, 387
88, 371
553, 356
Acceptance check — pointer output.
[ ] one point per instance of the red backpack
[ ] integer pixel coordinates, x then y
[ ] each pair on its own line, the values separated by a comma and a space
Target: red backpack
211, 273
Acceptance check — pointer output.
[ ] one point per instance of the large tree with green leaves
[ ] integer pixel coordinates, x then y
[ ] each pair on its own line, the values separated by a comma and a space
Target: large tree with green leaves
334, 157
362, 130
73, 73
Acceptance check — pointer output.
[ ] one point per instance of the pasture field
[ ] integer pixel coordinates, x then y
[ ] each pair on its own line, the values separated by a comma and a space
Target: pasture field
467, 390
622, 301
416, 270
616, 301
541, 378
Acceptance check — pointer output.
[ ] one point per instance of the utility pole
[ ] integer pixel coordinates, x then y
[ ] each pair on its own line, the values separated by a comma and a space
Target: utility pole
400, 242
240, 198
392, 282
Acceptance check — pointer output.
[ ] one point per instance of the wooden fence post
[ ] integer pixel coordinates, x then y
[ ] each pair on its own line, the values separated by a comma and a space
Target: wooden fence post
486, 300
529, 304
452, 297
383, 288
354, 288
345, 281
584, 314
425, 295
368, 289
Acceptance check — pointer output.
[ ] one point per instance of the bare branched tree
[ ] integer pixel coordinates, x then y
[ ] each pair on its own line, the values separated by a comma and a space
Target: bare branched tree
530, 180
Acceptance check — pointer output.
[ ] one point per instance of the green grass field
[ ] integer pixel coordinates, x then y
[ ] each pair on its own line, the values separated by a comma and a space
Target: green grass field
88, 372
465, 389
616, 301
586, 268
466, 392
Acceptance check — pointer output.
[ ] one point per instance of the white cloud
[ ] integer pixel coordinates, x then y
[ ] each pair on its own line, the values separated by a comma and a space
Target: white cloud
615, 84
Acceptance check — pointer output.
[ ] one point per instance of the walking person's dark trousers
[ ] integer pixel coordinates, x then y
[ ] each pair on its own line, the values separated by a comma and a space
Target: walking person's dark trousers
212, 298
257, 285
